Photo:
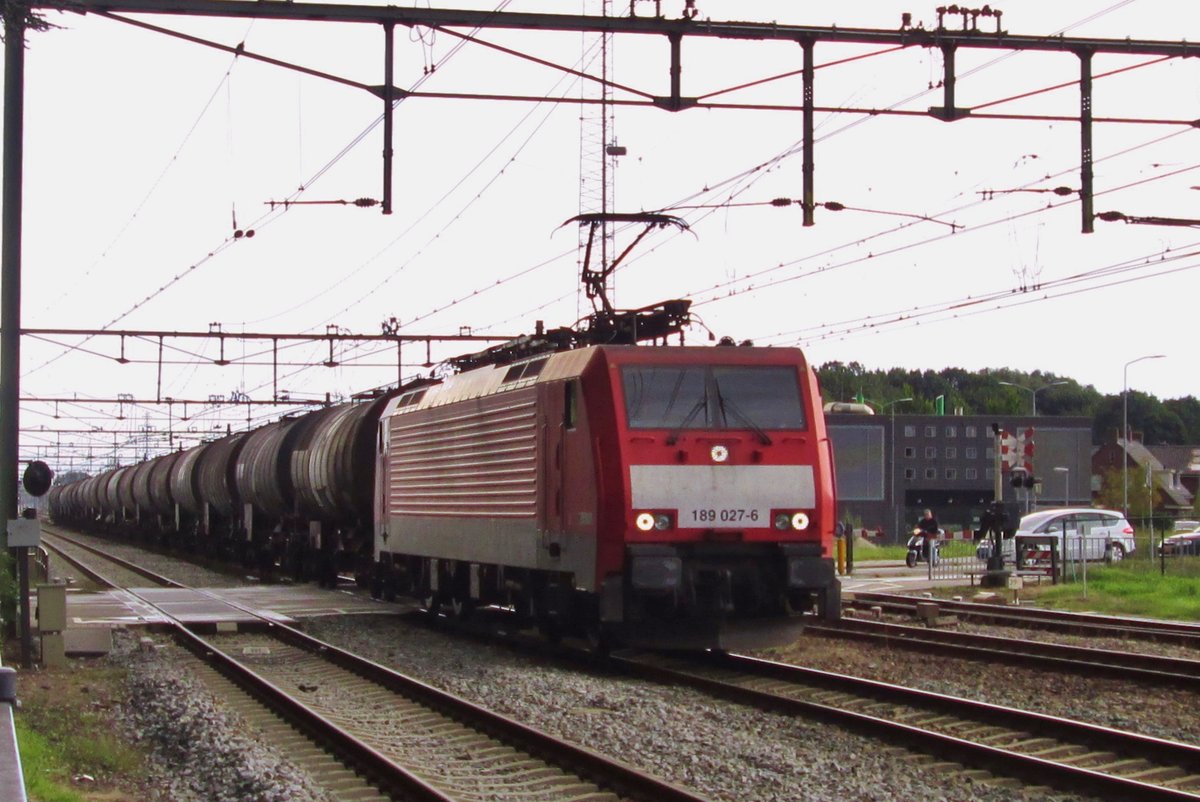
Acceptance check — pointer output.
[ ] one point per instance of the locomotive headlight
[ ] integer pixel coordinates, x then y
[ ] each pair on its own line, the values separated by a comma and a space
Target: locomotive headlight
800, 521
782, 520
650, 521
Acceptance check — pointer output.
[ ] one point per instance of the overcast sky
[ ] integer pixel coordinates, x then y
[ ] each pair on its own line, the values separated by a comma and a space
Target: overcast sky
142, 151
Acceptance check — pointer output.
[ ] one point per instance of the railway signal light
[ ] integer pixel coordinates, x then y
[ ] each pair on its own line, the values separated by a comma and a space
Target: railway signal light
37, 478
1022, 477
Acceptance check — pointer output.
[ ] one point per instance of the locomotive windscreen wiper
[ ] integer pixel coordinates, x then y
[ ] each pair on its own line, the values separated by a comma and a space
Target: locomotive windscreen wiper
695, 410
728, 405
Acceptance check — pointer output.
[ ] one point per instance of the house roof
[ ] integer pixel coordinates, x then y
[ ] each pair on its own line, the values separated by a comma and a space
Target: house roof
1183, 459
1145, 456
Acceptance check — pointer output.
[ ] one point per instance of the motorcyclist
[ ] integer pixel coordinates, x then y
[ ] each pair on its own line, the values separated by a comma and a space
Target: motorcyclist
929, 529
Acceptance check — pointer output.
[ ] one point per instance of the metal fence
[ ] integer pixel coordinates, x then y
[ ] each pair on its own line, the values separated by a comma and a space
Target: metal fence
965, 560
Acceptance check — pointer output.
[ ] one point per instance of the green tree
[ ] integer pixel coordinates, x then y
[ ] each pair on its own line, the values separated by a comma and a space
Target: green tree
1112, 494
1187, 409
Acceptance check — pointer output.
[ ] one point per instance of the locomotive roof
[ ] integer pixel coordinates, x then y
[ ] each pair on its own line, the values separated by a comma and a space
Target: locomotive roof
557, 366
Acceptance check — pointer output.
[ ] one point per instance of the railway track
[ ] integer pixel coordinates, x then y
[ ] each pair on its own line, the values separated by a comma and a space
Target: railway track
1035, 748
394, 733
1170, 671
1086, 624
114, 571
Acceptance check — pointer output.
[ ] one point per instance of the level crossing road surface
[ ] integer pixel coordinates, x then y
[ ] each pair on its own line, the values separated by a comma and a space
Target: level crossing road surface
890, 576
95, 614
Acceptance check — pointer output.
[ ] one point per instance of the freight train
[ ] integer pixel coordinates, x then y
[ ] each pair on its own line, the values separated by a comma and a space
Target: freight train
644, 493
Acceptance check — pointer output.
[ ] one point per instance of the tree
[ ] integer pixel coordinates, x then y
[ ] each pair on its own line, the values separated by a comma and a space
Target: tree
1187, 409
980, 393
1112, 493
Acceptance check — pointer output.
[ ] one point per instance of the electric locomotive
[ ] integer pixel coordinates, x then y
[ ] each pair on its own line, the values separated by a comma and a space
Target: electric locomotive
645, 493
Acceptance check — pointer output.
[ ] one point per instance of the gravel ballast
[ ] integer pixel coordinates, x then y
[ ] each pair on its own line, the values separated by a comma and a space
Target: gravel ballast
199, 750
722, 750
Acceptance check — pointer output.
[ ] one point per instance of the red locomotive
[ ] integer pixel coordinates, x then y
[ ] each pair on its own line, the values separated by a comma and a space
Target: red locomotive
643, 491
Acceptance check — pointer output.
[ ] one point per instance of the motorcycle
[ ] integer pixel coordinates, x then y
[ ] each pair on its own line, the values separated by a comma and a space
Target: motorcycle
921, 546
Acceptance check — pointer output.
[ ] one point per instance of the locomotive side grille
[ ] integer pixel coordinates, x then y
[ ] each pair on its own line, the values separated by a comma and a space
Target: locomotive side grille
476, 463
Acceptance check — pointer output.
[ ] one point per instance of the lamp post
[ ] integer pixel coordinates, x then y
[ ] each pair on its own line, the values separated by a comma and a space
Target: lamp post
1033, 391
1125, 430
892, 492
1067, 490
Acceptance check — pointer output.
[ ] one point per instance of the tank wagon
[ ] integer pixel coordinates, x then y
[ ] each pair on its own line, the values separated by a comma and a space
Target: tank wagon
294, 495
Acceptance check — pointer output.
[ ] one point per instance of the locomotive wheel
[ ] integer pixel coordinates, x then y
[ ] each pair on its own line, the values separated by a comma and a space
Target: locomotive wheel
463, 608
431, 603
599, 639
550, 629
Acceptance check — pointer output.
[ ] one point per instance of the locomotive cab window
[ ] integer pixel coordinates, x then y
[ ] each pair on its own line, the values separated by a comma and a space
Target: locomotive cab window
712, 397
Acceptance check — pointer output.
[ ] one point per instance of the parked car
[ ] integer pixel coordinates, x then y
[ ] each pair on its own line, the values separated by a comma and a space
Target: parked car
1097, 529
1184, 540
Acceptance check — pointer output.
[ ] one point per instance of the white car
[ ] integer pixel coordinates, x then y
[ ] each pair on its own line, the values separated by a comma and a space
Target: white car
1094, 531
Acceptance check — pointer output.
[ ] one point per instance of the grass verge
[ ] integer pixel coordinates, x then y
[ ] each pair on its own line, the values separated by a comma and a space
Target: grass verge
1134, 587
866, 550
71, 750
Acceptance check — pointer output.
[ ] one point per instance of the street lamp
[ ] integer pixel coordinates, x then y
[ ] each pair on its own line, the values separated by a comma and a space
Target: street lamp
1125, 430
1033, 391
895, 507
1067, 491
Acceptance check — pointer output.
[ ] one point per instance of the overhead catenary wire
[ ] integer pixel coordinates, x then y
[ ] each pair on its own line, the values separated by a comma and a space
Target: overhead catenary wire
748, 177
1122, 4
